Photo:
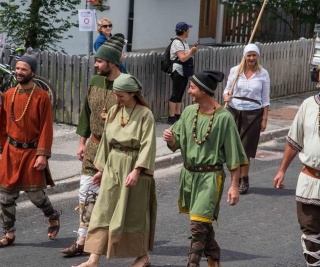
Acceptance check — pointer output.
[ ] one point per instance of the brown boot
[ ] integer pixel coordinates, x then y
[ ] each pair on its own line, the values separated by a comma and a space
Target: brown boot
244, 185
194, 260
212, 262
74, 250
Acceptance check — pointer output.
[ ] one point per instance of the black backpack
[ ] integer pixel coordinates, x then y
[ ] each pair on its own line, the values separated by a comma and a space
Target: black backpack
166, 62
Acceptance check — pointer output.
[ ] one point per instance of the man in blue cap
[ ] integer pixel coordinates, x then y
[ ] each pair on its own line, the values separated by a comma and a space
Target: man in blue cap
182, 69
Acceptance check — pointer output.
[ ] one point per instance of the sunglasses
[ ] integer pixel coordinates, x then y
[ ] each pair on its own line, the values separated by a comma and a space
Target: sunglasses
106, 26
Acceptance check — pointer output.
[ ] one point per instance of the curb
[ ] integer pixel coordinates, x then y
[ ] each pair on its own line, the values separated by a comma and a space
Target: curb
72, 183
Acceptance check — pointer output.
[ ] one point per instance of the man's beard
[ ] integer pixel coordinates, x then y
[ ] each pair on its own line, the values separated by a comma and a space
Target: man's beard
105, 72
26, 78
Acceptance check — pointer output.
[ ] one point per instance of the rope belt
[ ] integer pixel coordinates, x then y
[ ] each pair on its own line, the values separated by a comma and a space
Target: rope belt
95, 139
311, 172
124, 148
208, 168
21, 144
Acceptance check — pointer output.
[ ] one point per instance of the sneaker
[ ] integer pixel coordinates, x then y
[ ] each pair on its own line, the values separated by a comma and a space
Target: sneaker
74, 250
177, 116
171, 120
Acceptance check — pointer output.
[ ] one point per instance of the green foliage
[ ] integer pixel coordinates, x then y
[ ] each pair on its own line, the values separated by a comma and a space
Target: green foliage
37, 23
291, 12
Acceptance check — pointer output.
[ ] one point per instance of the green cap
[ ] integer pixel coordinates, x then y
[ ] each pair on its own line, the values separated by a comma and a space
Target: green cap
111, 50
127, 83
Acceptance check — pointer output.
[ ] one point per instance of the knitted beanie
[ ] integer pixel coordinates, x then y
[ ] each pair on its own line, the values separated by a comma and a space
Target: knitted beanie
207, 80
31, 58
111, 50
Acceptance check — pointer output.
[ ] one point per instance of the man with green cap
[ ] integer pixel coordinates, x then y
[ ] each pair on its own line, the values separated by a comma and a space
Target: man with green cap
98, 101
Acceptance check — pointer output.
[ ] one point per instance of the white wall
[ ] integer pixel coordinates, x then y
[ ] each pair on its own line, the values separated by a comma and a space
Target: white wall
153, 26
155, 21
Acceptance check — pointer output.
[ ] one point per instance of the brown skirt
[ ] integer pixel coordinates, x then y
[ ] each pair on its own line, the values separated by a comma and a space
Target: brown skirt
249, 126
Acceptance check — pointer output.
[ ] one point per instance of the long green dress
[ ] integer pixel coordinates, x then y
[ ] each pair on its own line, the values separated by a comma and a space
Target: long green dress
123, 219
200, 192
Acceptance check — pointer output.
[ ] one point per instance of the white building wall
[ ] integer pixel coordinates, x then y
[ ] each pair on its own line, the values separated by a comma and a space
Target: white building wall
153, 26
154, 23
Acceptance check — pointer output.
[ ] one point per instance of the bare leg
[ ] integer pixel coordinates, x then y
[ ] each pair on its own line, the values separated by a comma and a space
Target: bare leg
178, 108
93, 261
172, 109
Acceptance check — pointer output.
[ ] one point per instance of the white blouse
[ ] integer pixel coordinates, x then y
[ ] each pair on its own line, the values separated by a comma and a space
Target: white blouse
257, 87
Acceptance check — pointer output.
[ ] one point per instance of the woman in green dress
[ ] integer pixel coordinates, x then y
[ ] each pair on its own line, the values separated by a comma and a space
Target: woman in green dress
122, 224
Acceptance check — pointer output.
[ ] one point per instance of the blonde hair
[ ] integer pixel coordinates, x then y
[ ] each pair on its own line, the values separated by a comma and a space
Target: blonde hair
100, 21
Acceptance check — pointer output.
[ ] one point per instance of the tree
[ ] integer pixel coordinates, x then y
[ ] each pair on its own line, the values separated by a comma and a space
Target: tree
291, 12
38, 23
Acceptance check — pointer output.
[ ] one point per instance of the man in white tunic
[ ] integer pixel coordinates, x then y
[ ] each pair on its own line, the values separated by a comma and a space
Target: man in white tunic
304, 137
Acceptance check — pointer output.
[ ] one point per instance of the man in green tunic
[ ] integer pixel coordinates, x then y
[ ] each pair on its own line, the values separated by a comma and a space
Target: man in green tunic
90, 128
207, 136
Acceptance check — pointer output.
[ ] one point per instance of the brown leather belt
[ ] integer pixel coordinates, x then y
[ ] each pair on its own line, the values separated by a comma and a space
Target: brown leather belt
247, 99
124, 148
95, 139
208, 168
311, 172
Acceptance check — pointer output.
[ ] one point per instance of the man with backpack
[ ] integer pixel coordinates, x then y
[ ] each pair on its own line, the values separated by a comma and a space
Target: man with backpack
182, 69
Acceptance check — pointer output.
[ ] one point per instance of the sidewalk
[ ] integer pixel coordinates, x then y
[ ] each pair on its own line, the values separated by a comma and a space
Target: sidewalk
65, 167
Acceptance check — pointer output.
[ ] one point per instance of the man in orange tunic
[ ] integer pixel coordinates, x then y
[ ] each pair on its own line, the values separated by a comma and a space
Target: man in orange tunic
26, 134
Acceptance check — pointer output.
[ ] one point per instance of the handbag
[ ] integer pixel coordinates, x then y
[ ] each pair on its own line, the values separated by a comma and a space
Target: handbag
315, 75
188, 67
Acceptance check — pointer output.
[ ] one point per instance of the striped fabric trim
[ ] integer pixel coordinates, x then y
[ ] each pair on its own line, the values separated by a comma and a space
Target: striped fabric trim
202, 84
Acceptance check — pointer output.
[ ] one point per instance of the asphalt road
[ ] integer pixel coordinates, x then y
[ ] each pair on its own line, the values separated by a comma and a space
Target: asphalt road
261, 231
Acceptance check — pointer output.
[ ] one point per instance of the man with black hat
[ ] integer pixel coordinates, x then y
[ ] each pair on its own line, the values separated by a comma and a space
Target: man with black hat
90, 128
207, 136
26, 134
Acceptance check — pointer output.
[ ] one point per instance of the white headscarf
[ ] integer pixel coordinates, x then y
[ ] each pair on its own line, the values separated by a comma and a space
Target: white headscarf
251, 48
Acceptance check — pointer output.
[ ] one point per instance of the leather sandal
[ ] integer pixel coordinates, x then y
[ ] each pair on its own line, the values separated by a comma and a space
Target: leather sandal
142, 261
54, 230
10, 241
74, 250
244, 185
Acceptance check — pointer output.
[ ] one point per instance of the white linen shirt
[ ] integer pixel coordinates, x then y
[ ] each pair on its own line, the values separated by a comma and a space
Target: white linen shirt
257, 87
304, 136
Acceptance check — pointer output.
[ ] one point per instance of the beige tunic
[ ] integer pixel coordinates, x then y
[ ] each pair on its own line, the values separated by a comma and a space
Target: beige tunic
304, 136
123, 219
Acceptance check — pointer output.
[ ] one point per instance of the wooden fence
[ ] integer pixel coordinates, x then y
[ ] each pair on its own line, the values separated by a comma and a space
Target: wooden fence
237, 26
286, 62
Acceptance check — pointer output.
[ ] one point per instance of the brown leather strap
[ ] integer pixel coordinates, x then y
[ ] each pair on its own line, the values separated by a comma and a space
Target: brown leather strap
248, 99
311, 172
95, 139
208, 168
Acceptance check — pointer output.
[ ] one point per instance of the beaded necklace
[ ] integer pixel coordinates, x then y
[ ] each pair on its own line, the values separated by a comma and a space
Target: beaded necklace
124, 123
25, 108
194, 128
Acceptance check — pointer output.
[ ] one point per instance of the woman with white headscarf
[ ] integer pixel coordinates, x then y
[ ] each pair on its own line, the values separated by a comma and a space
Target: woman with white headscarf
249, 104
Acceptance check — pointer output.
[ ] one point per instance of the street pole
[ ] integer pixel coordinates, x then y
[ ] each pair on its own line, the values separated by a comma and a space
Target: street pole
90, 36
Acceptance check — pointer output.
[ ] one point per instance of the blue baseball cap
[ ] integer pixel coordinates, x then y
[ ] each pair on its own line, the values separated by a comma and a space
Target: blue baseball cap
181, 26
